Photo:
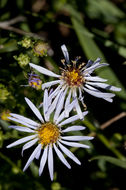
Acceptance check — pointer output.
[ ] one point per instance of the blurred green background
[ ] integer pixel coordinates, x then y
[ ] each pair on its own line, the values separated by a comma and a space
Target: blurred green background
34, 30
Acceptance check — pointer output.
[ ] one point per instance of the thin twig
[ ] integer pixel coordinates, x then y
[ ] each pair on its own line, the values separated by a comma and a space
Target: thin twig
109, 122
6, 25
13, 21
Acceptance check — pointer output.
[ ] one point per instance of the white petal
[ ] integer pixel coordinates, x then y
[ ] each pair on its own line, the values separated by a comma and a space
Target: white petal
60, 118
77, 138
61, 157
81, 97
45, 103
43, 160
38, 153
69, 107
78, 109
73, 144
97, 61
22, 140
50, 162
65, 53
90, 62
31, 158
43, 70
54, 93
74, 93
69, 153
108, 99
48, 84
93, 67
54, 103
19, 128
99, 94
34, 109
67, 102
103, 85
29, 144
21, 122
96, 79
60, 105
73, 128
25, 119
71, 119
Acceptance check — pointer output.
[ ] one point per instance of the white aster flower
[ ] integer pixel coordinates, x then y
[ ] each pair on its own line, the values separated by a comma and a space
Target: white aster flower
48, 135
75, 79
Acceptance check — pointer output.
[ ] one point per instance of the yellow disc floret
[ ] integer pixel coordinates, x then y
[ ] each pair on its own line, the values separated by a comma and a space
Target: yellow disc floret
72, 77
48, 133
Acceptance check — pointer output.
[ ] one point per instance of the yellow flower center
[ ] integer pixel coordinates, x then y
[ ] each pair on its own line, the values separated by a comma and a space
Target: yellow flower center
73, 77
48, 133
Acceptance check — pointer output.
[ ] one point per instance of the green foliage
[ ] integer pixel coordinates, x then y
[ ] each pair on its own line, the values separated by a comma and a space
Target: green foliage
90, 28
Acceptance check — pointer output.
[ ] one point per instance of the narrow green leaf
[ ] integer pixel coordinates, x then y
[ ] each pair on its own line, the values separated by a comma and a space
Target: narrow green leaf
9, 46
112, 160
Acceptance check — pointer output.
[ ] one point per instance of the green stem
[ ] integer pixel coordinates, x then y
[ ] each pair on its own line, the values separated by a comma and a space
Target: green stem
10, 162
104, 140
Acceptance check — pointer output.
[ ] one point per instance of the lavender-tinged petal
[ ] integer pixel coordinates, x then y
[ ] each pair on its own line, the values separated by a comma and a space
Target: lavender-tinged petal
67, 102
34, 109
25, 119
73, 118
22, 140
22, 122
98, 94
48, 84
63, 114
28, 145
104, 86
78, 109
69, 153
60, 105
55, 92
54, 103
61, 157
81, 97
43, 160
73, 128
73, 144
38, 153
95, 79
44, 71
77, 138
19, 128
31, 158
93, 67
65, 53
45, 104
50, 162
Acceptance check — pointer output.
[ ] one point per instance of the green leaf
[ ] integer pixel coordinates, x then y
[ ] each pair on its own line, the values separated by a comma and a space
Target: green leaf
108, 10
3, 3
9, 46
112, 160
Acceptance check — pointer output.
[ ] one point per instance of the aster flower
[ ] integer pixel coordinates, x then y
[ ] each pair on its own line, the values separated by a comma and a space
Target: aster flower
48, 135
34, 81
75, 79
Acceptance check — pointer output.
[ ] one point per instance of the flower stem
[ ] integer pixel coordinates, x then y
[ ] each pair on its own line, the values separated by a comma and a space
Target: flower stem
104, 140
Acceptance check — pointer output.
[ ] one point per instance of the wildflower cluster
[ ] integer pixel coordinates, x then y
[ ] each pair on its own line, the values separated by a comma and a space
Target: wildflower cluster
49, 133
35, 48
